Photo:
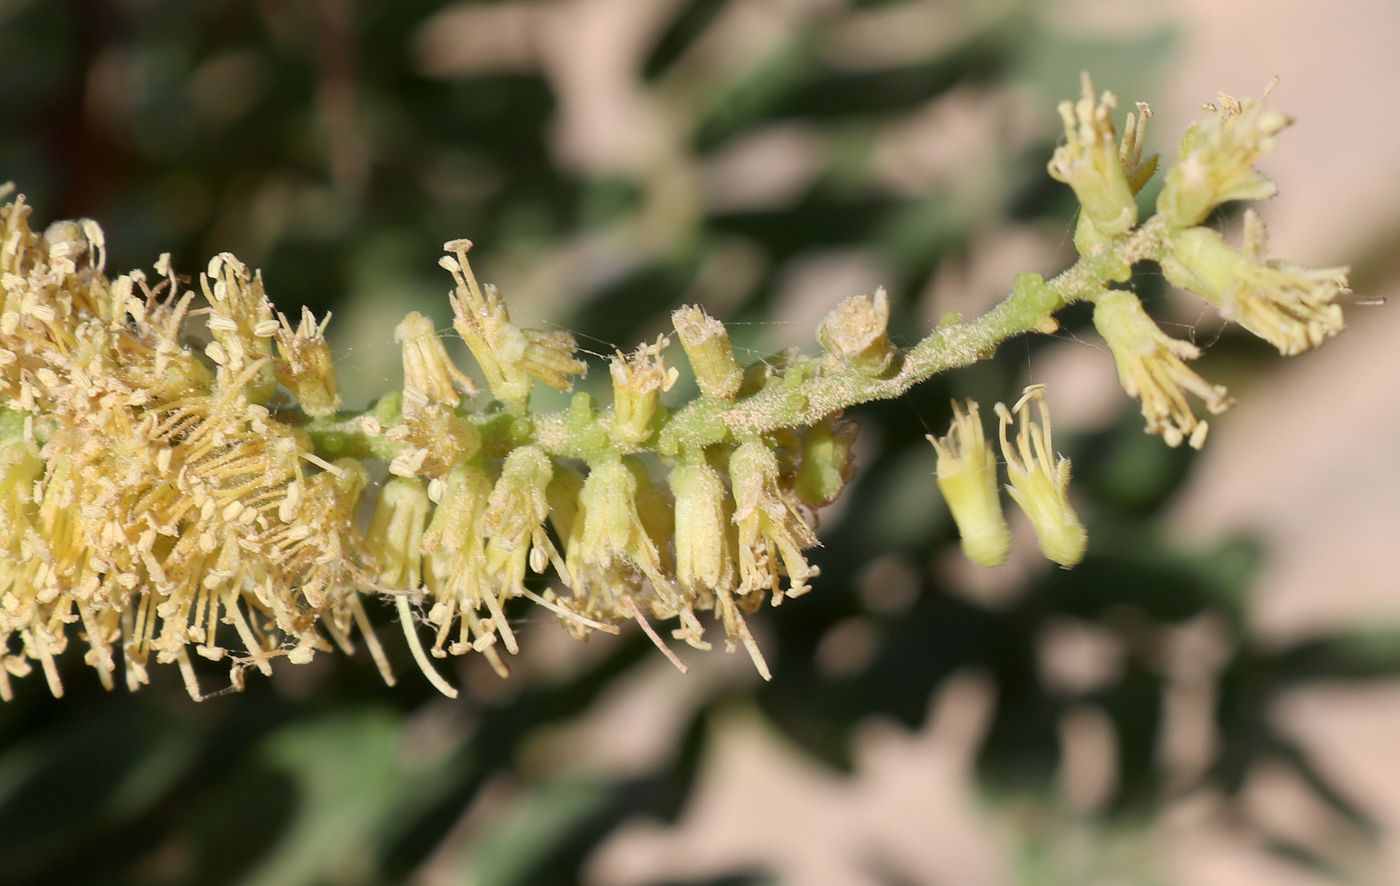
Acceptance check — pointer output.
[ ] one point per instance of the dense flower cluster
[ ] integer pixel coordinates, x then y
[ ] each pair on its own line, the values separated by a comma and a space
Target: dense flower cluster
171, 488
165, 501
151, 497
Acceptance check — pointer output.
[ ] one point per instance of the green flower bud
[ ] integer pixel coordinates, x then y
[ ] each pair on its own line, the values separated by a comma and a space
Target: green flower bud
1151, 367
1040, 480
967, 477
827, 463
707, 347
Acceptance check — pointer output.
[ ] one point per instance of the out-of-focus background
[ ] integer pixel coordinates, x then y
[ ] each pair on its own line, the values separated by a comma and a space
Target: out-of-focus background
1212, 697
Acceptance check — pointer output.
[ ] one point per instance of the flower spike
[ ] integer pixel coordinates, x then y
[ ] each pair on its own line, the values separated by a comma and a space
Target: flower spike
161, 500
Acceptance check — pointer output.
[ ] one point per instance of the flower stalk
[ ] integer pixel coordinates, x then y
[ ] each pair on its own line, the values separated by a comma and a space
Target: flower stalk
157, 499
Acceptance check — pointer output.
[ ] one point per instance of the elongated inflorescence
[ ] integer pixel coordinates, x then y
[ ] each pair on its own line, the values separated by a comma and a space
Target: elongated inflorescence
178, 481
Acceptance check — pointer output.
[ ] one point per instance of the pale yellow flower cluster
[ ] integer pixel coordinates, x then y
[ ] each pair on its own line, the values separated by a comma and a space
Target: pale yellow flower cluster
160, 500
155, 506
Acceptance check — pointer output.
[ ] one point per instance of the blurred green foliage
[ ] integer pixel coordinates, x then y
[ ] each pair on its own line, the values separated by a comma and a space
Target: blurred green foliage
335, 145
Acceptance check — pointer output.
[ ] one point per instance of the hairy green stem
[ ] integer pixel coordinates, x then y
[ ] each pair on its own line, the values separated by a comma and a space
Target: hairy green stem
814, 390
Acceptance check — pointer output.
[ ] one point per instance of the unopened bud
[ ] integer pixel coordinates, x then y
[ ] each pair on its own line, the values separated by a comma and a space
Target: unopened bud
827, 463
638, 380
707, 346
856, 333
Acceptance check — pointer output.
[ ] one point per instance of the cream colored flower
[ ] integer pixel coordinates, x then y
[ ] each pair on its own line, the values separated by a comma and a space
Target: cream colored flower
510, 357
773, 533
1152, 367
1217, 161
638, 380
1040, 479
304, 364
967, 477
1092, 162
1293, 308
429, 375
